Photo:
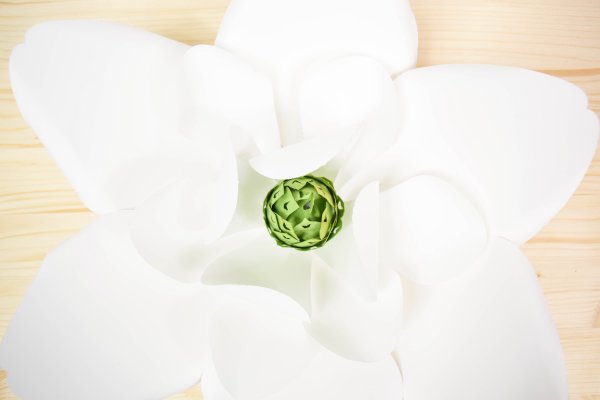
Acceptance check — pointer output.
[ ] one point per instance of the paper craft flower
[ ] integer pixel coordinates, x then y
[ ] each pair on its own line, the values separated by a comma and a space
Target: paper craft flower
303, 213
185, 153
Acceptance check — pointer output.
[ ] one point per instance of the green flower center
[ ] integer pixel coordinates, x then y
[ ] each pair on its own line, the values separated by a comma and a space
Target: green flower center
303, 213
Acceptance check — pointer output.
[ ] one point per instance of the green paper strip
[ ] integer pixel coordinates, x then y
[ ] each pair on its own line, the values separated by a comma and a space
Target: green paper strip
303, 213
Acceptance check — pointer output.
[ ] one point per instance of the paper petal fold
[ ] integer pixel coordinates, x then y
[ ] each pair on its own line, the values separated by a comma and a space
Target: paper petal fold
328, 377
366, 225
517, 141
301, 158
349, 324
258, 342
486, 335
354, 98
221, 86
105, 100
283, 37
100, 323
185, 217
430, 231
259, 261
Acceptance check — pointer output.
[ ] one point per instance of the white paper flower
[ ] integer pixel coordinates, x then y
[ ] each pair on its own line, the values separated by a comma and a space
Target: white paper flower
423, 295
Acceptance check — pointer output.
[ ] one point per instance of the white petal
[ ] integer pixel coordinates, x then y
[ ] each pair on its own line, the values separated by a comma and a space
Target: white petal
366, 227
430, 232
301, 158
188, 215
345, 95
219, 84
253, 187
342, 254
100, 323
356, 308
342, 317
518, 141
282, 37
343, 92
488, 335
259, 344
329, 377
347, 323
257, 260
104, 99
354, 252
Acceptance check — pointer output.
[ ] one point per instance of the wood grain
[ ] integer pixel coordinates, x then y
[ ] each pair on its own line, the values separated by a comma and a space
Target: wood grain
38, 208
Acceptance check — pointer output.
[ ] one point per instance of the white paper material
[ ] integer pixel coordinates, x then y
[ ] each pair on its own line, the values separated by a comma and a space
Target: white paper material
440, 169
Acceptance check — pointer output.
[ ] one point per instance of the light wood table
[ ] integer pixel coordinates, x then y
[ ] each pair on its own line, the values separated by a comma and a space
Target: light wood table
38, 208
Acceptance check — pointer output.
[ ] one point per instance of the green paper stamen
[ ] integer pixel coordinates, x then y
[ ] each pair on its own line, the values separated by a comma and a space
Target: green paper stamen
303, 213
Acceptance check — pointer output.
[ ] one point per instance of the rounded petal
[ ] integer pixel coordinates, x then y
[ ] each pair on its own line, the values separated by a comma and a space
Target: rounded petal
104, 99
349, 324
219, 85
340, 318
256, 260
187, 215
329, 377
518, 141
351, 262
343, 316
285, 34
249, 208
430, 232
340, 93
346, 95
258, 343
366, 231
100, 323
487, 335
302, 158
354, 252
356, 305
283, 37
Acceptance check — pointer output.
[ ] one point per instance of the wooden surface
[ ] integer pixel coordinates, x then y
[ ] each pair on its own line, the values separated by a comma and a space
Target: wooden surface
38, 209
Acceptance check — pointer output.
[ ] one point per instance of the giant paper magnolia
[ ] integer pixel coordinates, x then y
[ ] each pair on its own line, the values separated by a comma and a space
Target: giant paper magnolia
423, 295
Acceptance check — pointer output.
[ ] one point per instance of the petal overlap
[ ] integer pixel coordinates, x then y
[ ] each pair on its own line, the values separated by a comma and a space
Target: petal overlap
488, 335
222, 88
366, 225
258, 342
350, 325
329, 377
104, 99
345, 314
355, 99
347, 108
190, 214
259, 261
283, 37
518, 142
100, 323
431, 232
424, 293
